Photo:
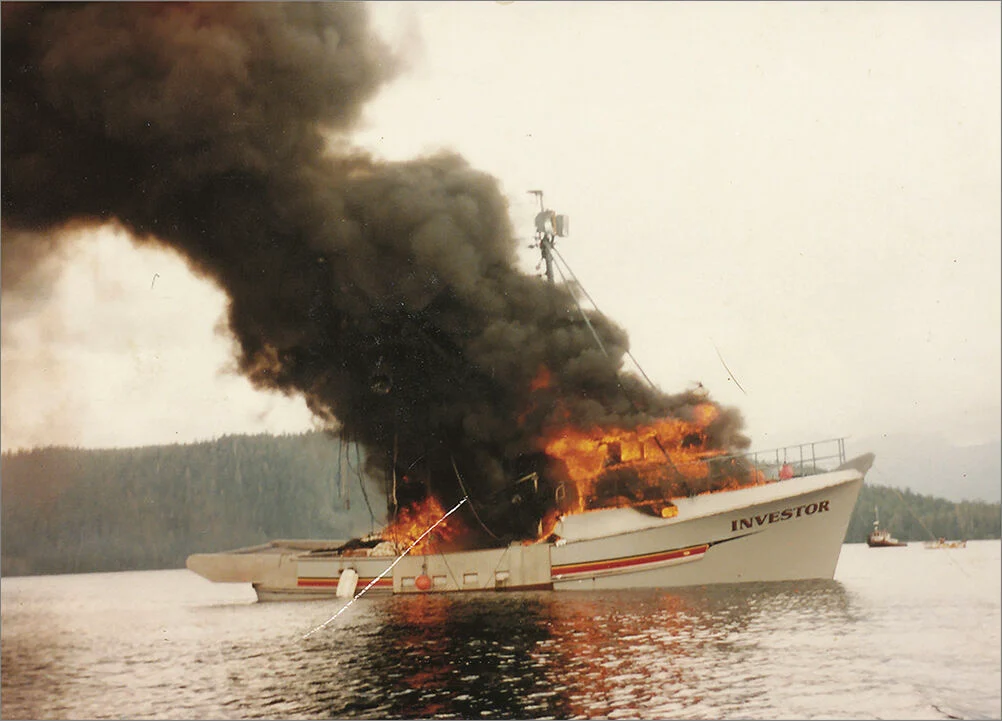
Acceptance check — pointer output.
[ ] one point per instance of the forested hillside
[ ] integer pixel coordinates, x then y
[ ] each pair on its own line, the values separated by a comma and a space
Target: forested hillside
72, 511
913, 517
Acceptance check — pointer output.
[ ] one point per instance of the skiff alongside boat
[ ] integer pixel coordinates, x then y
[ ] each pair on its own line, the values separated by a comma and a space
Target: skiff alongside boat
943, 543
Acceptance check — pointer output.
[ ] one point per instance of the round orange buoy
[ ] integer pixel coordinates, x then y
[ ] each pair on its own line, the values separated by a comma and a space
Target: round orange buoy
422, 582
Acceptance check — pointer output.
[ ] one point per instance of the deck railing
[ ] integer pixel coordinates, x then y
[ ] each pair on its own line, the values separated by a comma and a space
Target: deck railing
791, 461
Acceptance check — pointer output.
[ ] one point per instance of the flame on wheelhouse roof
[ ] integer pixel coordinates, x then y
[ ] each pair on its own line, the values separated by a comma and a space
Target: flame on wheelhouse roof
644, 466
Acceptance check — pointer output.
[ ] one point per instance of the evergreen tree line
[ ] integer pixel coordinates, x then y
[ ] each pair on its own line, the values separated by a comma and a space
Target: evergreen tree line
67, 510
911, 516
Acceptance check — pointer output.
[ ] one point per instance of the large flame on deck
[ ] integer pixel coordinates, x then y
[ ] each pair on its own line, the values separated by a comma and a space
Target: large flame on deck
604, 467
414, 519
644, 466
587, 453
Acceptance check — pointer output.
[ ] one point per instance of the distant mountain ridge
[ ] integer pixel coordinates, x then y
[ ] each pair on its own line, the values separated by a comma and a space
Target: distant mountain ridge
927, 464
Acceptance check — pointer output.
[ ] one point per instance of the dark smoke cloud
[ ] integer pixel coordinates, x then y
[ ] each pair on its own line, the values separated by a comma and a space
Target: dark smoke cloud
386, 293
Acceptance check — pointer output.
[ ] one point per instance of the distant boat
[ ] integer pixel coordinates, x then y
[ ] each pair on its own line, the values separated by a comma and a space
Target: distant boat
943, 543
879, 537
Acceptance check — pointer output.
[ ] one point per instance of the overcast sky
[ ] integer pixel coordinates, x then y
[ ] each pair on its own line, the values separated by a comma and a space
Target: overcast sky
810, 190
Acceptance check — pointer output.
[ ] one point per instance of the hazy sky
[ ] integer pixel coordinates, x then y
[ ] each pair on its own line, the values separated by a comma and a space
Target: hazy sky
813, 190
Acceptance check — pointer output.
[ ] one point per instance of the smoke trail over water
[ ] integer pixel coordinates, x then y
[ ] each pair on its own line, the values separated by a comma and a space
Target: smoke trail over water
386, 293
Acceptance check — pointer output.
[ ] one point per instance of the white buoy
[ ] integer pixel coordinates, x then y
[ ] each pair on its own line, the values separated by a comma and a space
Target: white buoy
346, 583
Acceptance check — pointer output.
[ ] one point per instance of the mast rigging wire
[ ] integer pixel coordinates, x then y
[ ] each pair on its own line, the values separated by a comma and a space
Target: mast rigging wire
467, 495
584, 315
361, 483
729, 371
592, 301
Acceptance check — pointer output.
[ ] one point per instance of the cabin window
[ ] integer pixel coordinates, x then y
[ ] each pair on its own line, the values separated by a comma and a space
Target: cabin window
501, 576
438, 581
469, 579
407, 581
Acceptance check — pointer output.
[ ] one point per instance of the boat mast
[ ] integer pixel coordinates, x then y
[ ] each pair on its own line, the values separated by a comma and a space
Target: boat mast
549, 227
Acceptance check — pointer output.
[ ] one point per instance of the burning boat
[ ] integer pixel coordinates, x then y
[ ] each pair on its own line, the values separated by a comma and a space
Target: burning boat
515, 449
649, 505
767, 530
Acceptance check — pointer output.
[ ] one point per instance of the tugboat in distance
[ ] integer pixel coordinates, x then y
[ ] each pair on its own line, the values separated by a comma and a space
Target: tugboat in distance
880, 538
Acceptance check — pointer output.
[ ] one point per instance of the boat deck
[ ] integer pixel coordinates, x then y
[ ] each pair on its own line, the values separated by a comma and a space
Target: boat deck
292, 545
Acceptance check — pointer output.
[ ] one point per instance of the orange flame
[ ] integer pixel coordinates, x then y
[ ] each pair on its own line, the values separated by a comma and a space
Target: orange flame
542, 380
415, 519
655, 456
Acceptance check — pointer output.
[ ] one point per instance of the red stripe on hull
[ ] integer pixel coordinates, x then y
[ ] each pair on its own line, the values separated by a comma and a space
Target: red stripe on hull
628, 562
332, 583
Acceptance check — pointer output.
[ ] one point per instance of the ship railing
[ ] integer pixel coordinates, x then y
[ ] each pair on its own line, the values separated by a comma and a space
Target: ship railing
777, 464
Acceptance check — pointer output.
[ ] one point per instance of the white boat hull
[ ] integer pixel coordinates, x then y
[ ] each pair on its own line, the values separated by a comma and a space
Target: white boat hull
780, 531
720, 547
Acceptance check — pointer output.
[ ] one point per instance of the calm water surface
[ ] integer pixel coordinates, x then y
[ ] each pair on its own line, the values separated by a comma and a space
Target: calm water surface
900, 633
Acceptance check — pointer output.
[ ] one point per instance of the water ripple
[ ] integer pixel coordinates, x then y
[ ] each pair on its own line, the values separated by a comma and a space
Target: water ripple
86, 647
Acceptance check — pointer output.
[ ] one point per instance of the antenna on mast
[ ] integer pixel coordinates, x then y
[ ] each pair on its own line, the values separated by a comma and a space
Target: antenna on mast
549, 227
539, 195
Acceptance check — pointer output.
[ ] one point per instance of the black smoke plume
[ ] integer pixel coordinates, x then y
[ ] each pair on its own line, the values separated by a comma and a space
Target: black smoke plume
386, 293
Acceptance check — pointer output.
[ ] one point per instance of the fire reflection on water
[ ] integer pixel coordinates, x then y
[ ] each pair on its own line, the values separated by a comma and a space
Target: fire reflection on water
643, 654
166, 644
